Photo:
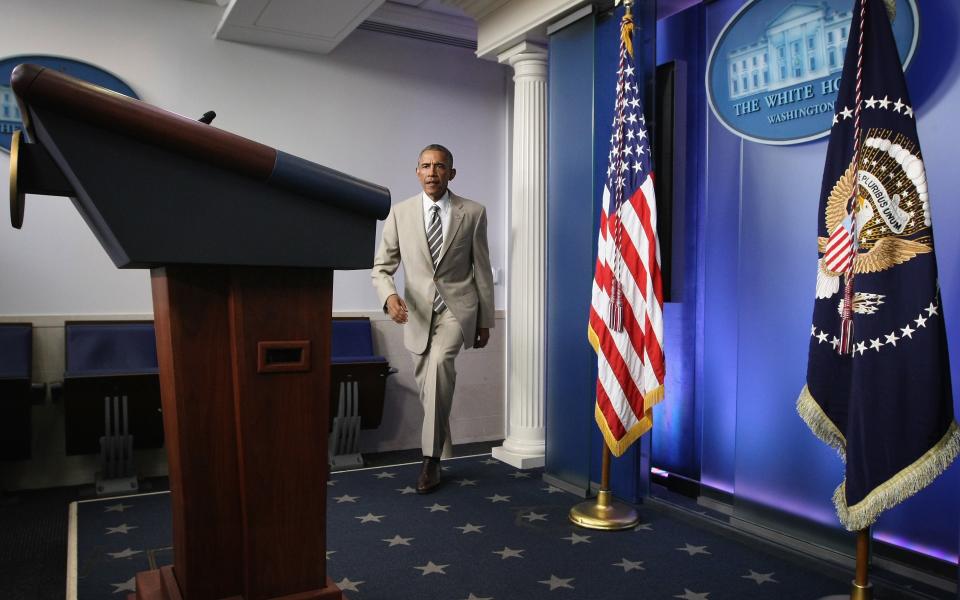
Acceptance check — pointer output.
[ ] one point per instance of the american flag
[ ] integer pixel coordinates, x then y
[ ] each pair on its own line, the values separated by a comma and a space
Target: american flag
626, 312
838, 255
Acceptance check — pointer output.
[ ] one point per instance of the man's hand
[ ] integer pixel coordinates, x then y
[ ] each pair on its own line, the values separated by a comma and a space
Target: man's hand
397, 309
482, 337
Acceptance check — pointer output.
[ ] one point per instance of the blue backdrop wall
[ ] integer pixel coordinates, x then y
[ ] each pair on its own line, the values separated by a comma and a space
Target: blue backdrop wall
757, 206
583, 62
738, 336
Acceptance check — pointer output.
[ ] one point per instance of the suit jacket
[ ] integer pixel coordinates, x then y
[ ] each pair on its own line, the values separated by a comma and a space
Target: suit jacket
463, 275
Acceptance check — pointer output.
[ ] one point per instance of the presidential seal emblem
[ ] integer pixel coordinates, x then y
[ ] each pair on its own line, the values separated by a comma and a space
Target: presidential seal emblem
891, 212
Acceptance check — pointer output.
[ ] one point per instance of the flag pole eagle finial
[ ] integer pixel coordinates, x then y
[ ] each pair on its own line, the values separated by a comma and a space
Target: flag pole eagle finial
626, 29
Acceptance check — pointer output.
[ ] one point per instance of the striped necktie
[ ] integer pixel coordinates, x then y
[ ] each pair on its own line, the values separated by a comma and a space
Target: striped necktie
435, 241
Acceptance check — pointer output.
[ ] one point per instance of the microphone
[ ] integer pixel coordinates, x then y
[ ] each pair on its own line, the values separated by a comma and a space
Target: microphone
207, 117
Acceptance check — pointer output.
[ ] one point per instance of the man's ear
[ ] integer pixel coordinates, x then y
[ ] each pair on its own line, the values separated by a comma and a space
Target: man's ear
453, 173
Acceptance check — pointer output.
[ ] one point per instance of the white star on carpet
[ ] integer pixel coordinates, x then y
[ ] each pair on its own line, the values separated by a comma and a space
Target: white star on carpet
370, 518
466, 482
346, 498
468, 528
432, 568
117, 507
397, 541
385, 475
534, 516
508, 552
520, 475
438, 507
332, 482
129, 585
127, 553
630, 565
122, 528
551, 490
491, 461
760, 578
644, 527
329, 553
693, 550
472, 597
346, 585
555, 582
577, 539
688, 595
498, 498
407, 490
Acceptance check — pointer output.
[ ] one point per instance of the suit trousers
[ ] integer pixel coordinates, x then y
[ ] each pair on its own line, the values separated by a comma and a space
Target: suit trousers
436, 377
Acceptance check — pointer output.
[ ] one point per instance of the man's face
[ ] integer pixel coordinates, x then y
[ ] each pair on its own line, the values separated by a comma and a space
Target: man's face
434, 173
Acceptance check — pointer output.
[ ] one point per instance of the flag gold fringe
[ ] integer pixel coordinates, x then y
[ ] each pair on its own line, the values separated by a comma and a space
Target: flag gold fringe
895, 490
820, 424
618, 447
901, 486
650, 399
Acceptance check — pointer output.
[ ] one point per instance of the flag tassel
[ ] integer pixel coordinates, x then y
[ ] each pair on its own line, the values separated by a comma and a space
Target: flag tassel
615, 318
846, 320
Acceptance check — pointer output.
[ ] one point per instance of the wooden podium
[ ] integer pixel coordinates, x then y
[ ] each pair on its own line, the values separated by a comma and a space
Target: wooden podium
241, 241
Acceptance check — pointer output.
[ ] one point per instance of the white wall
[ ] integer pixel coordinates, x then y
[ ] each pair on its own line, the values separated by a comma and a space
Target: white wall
365, 109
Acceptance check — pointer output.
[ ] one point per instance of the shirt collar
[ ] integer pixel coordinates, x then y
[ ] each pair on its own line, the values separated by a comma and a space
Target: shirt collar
443, 202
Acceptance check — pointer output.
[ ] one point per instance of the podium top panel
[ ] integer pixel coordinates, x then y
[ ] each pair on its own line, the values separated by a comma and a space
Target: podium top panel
40, 87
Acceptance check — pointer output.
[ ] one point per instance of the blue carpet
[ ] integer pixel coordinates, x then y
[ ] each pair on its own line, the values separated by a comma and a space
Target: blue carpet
490, 532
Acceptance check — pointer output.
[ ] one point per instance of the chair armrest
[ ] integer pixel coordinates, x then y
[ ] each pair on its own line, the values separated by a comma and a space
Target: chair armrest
38, 394
56, 391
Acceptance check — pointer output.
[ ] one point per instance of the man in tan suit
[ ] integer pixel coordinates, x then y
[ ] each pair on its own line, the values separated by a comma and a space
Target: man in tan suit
441, 239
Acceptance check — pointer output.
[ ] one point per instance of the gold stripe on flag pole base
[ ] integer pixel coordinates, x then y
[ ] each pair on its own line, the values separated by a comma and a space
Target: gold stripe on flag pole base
604, 512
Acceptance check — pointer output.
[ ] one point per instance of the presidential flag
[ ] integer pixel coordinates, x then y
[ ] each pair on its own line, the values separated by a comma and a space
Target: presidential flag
878, 377
626, 312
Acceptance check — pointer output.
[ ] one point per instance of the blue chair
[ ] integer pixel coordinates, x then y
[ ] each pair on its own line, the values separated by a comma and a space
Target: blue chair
16, 365
110, 359
358, 380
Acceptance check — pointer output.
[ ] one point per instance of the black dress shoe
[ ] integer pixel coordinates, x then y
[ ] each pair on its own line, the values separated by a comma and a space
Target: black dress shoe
429, 477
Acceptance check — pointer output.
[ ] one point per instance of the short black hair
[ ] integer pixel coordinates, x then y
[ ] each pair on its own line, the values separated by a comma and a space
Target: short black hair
438, 148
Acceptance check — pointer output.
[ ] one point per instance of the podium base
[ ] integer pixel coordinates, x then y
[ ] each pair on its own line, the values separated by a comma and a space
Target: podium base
161, 584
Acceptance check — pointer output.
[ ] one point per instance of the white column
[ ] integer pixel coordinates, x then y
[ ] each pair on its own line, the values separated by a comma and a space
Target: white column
527, 252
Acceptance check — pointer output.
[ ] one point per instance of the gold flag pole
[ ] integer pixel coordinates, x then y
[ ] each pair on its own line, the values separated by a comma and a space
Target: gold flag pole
604, 512
861, 588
